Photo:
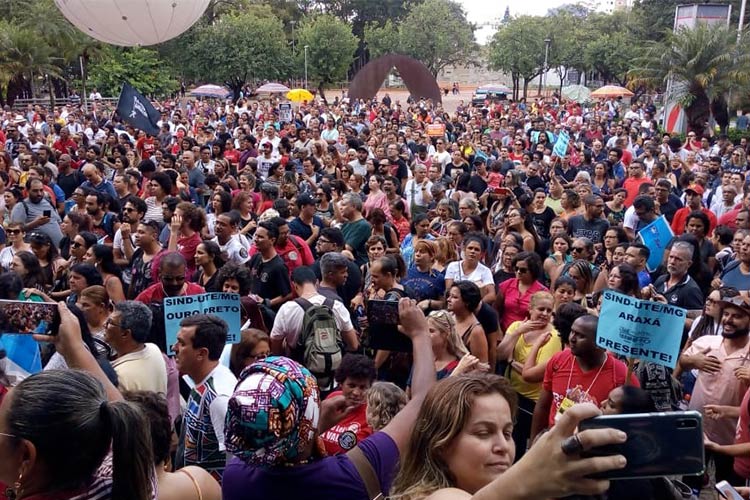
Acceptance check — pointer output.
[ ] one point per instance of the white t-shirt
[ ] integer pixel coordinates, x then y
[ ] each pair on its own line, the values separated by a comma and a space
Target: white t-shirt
288, 322
481, 276
234, 250
6, 257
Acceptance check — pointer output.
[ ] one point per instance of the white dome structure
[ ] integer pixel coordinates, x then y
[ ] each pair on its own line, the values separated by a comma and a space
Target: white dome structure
132, 22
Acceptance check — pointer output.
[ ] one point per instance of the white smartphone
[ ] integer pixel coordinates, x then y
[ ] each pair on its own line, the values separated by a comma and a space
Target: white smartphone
727, 491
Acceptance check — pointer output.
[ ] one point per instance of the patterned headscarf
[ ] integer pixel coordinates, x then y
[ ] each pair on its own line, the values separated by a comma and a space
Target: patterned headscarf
273, 414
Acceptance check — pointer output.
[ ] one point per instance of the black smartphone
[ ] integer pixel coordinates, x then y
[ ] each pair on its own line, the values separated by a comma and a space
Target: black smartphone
659, 444
19, 317
382, 318
47, 213
727, 491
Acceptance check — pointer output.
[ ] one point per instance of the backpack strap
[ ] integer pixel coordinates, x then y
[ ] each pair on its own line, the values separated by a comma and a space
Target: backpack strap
366, 472
303, 303
329, 303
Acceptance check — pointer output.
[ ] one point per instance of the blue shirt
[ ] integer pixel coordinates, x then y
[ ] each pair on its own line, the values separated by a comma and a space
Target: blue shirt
105, 187
424, 286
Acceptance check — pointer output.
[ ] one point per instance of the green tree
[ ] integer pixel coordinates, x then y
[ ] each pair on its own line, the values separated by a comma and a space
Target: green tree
437, 33
331, 48
518, 49
140, 66
382, 40
612, 48
705, 63
238, 48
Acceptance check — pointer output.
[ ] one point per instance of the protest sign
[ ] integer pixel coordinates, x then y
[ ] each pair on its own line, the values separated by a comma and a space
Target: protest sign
436, 130
641, 329
224, 305
561, 144
285, 112
656, 236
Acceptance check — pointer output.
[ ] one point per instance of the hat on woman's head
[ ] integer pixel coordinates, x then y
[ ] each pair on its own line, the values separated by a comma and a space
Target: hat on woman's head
272, 416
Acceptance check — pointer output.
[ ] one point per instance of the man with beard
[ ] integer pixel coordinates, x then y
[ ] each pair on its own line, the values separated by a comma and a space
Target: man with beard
677, 286
103, 223
123, 246
37, 213
723, 378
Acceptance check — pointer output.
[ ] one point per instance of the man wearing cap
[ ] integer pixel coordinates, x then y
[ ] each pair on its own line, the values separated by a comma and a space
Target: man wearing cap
694, 201
479, 177
306, 225
723, 376
360, 163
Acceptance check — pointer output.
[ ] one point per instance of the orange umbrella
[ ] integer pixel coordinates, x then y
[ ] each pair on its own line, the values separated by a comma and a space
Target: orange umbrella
611, 91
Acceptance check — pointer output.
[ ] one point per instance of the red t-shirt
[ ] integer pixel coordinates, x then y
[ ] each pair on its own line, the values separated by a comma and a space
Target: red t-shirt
680, 218
631, 185
563, 373
145, 146
187, 245
345, 435
292, 256
155, 293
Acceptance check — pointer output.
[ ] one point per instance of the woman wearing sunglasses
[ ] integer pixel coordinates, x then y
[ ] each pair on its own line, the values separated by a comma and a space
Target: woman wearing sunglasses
16, 234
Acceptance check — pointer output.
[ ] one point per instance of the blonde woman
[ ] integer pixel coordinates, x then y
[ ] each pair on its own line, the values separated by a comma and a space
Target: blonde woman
528, 345
384, 401
465, 447
95, 304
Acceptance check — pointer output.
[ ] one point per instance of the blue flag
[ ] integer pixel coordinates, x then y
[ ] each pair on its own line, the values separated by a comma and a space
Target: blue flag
561, 144
138, 111
656, 236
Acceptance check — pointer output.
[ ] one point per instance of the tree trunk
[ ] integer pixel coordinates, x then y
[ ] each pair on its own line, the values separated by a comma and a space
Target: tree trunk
699, 112
322, 93
525, 87
719, 109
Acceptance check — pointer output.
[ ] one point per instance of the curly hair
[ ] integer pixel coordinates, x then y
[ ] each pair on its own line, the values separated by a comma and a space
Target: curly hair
356, 366
384, 401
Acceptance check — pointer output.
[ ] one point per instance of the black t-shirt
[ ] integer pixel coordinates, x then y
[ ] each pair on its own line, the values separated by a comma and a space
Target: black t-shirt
535, 182
487, 317
580, 227
69, 182
569, 175
543, 221
477, 185
269, 279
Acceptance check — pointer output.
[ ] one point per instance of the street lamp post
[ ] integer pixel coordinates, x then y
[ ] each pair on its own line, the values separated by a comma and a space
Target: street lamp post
543, 80
292, 22
306, 47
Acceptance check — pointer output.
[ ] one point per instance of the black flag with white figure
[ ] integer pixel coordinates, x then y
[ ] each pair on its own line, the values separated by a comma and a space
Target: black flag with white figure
138, 111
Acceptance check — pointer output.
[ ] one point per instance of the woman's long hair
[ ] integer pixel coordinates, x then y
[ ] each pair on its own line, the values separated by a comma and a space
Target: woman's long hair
446, 325
444, 413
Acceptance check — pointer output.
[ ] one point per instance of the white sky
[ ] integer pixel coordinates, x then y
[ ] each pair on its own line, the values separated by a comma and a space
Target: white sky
491, 12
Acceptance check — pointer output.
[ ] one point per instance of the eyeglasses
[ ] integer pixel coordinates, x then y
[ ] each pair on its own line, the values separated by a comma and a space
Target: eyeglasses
129, 209
13, 231
522, 270
75, 244
578, 249
108, 322
322, 241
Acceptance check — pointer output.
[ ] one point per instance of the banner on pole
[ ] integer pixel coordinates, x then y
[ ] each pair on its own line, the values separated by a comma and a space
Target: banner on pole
656, 236
138, 111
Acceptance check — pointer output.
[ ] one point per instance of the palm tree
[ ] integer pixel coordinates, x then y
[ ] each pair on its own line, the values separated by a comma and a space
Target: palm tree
704, 63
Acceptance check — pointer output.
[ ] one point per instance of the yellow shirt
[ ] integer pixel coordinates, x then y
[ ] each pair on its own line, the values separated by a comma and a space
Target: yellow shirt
521, 353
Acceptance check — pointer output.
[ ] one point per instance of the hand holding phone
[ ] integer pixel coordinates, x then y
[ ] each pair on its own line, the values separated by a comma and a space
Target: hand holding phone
727, 491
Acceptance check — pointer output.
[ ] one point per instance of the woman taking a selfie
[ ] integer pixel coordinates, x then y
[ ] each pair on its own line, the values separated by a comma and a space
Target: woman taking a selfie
465, 449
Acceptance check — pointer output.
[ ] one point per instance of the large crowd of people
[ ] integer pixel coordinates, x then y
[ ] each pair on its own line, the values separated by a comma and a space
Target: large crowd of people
492, 251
